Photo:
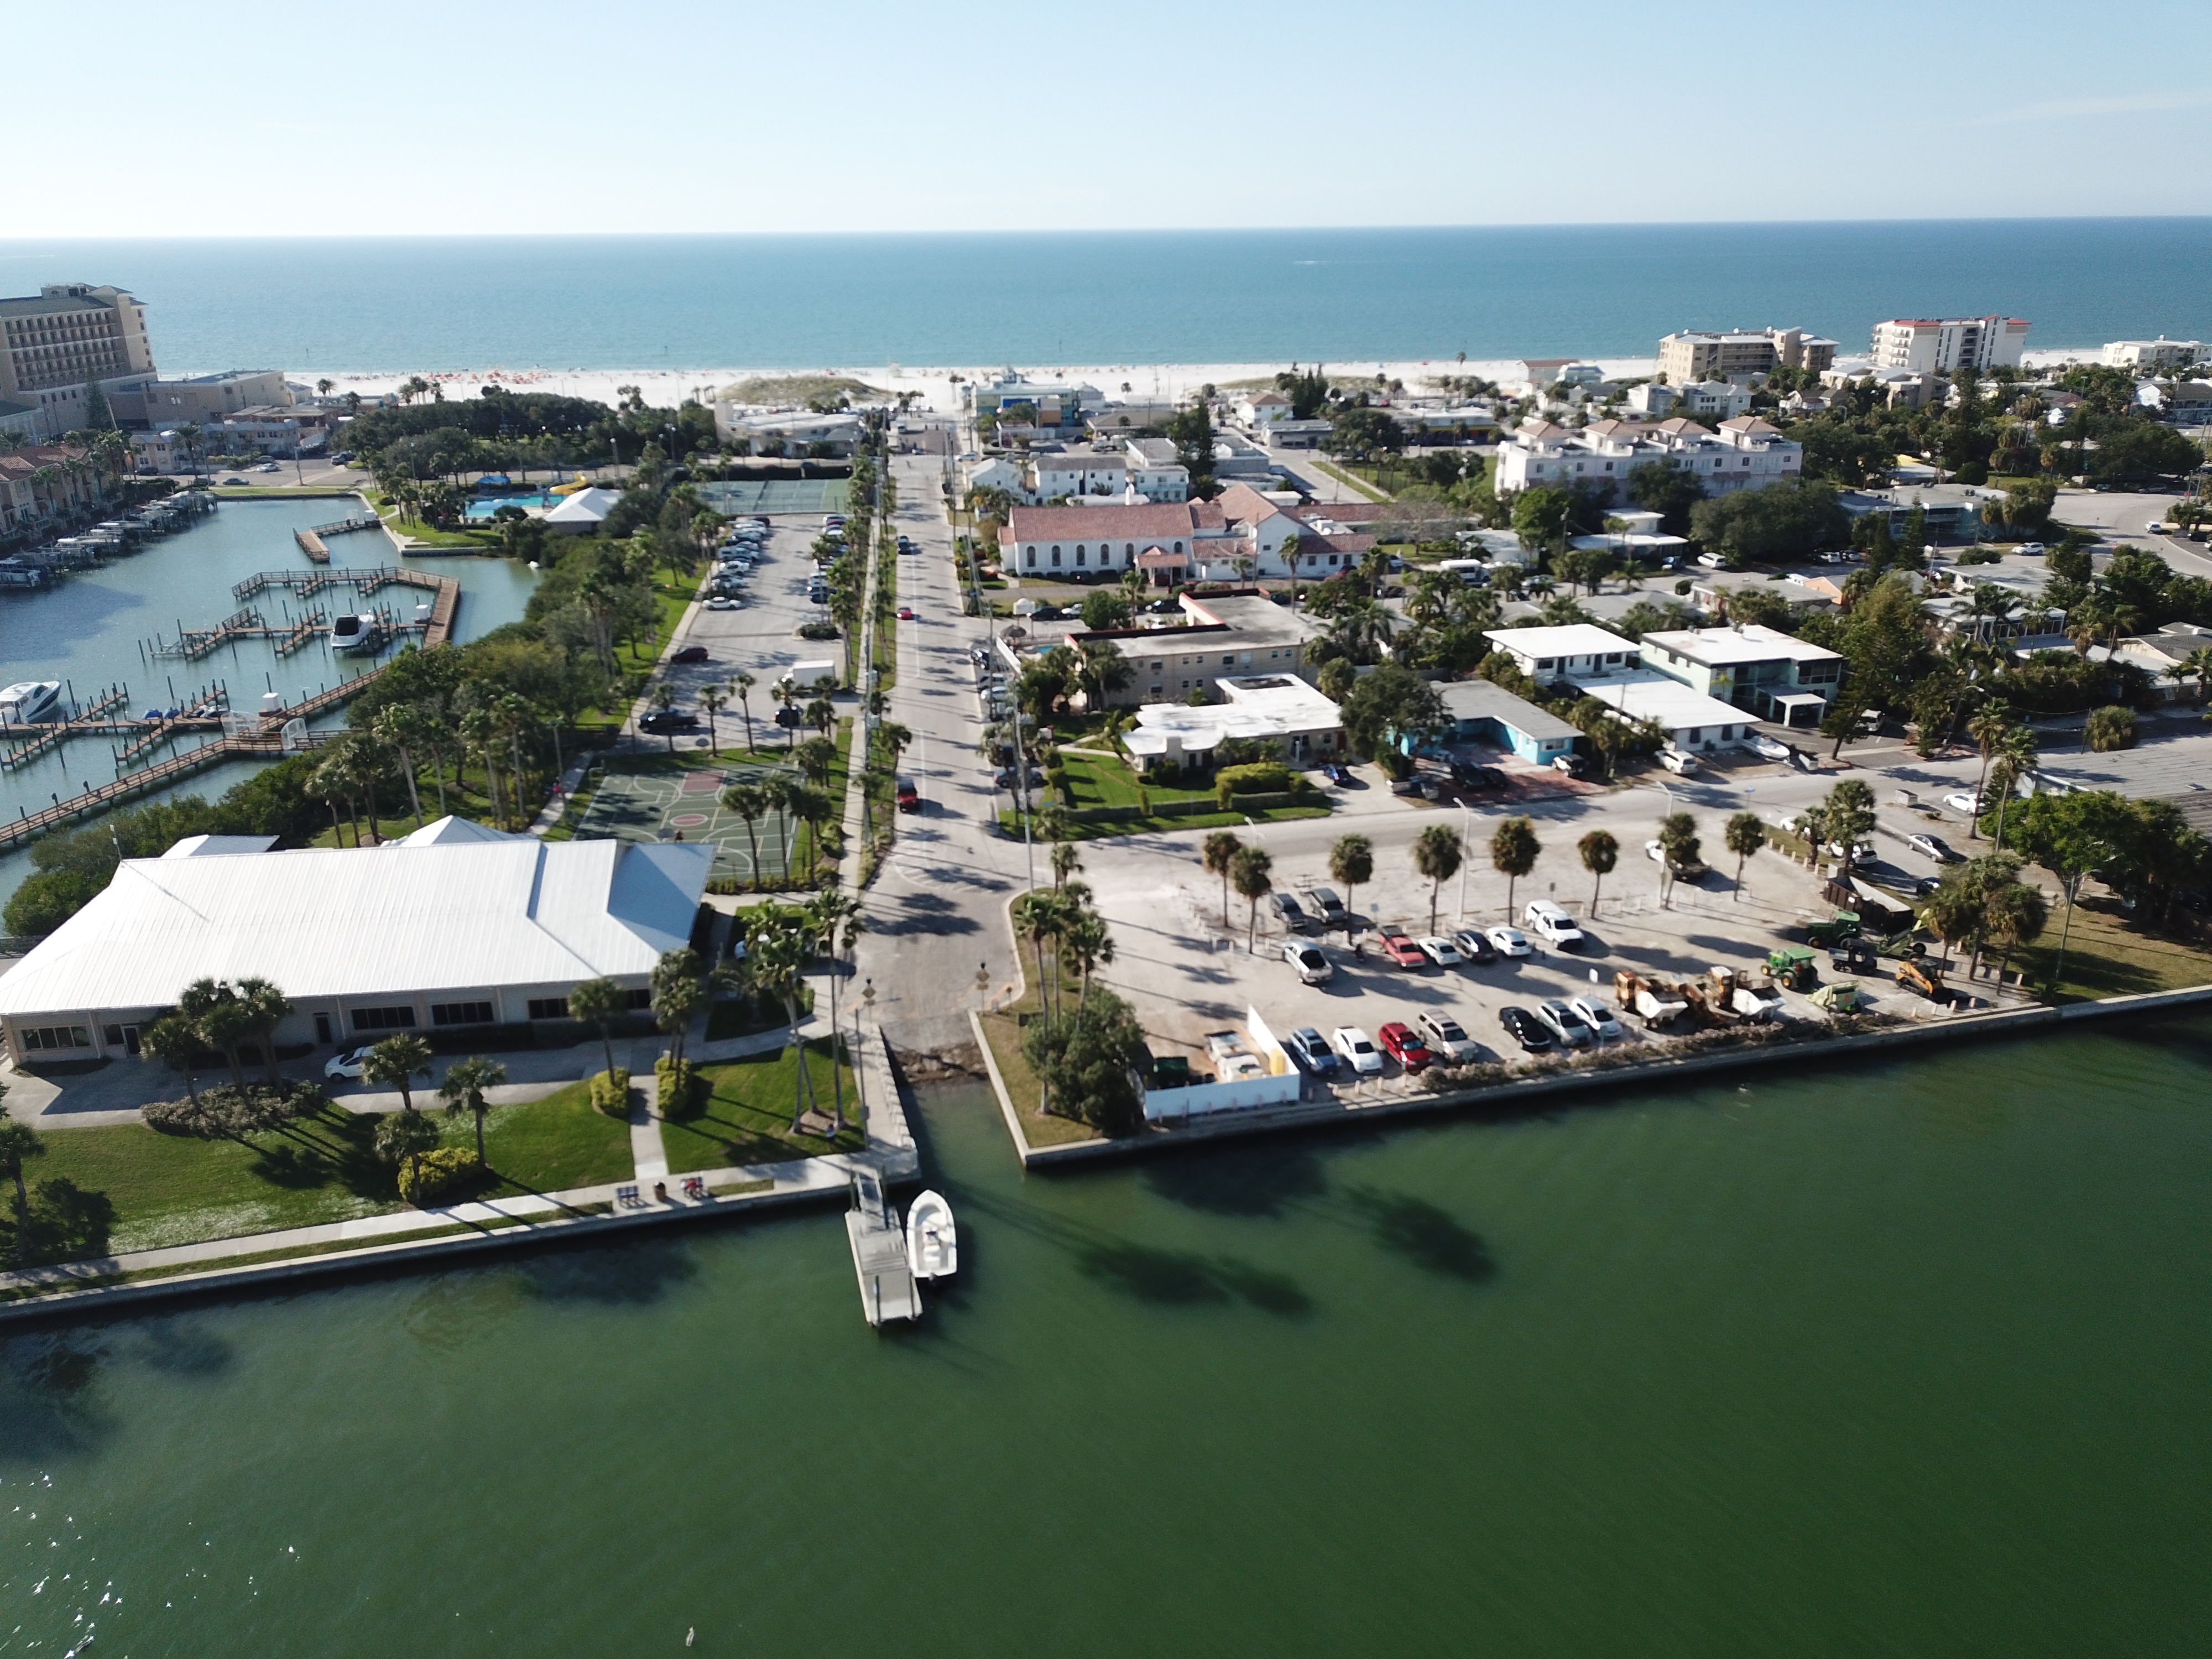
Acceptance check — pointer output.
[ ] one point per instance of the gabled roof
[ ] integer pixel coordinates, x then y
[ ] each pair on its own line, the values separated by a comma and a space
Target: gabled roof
585, 507
1143, 521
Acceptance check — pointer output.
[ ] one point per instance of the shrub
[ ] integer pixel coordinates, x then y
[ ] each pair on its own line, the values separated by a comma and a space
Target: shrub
2111, 728
611, 1092
1260, 777
437, 1172
682, 1090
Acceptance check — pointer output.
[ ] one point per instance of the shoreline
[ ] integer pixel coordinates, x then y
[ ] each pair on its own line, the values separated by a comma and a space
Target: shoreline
665, 387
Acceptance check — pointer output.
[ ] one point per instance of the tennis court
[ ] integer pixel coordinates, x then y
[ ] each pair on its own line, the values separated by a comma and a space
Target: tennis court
688, 806
776, 496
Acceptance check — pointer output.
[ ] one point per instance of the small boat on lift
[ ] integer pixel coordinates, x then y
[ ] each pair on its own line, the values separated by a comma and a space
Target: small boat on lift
362, 633
932, 1245
31, 703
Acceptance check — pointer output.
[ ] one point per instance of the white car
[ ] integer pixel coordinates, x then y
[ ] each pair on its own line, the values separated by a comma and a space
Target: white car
1966, 804
1678, 761
1549, 922
1312, 966
1767, 748
1598, 1018
347, 1066
721, 602
1448, 1037
269, 466
1440, 951
1358, 1050
1563, 1022
1507, 941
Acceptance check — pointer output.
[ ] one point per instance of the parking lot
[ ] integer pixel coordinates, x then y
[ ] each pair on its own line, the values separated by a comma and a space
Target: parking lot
1187, 974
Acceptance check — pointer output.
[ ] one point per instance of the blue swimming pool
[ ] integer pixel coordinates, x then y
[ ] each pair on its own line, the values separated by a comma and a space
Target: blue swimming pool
485, 506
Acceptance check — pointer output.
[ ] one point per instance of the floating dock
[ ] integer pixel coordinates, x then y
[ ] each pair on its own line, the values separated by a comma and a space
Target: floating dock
888, 1290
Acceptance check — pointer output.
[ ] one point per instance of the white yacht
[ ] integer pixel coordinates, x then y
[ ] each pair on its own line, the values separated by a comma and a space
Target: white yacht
933, 1248
362, 633
27, 702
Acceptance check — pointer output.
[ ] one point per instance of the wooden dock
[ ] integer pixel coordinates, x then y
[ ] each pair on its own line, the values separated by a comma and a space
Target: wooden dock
888, 1290
311, 543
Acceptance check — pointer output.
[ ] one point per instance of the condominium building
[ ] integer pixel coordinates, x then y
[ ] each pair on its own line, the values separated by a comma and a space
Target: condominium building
54, 344
1941, 345
1745, 454
2160, 353
1691, 356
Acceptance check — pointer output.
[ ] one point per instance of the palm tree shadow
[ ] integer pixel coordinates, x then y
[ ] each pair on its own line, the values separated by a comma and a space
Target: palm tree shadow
1258, 1183
1428, 1237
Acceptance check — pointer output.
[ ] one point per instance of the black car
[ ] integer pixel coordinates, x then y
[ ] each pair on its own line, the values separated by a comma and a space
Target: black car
1048, 613
1005, 778
1525, 1029
1165, 607
660, 721
690, 654
1470, 776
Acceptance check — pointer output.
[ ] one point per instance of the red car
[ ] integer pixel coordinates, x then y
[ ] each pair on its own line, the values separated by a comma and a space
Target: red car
1398, 1041
910, 798
1403, 952
906, 613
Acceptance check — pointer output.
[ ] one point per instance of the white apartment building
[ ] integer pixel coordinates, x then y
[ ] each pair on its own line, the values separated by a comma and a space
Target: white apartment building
1940, 345
56, 342
1156, 473
1692, 356
1745, 454
1076, 473
2160, 353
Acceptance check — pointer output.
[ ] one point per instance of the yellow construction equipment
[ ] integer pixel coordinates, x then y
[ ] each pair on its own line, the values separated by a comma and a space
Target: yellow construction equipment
1924, 977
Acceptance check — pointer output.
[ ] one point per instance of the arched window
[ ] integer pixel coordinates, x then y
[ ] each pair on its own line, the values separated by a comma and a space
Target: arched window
1178, 547
1129, 551
1029, 557
1056, 555
1080, 556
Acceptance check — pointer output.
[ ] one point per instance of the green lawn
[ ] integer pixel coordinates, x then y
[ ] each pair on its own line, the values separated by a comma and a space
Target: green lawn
1011, 824
1359, 484
1097, 782
2108, 955
737, 1016
748, 1117
550, 1144
1005, 1035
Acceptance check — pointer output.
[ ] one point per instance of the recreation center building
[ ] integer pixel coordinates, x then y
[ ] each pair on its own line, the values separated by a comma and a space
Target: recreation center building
453, 927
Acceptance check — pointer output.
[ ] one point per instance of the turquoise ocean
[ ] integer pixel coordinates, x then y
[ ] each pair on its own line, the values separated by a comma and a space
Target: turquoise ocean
566, 302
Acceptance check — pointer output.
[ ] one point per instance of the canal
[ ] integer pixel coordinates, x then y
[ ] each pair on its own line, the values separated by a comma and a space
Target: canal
1905, 1358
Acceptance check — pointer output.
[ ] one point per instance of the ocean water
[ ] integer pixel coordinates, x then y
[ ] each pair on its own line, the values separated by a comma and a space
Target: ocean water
556, 302
1902, 1359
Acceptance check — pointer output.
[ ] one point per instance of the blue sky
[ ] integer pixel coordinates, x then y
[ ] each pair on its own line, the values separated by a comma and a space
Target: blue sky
450, 118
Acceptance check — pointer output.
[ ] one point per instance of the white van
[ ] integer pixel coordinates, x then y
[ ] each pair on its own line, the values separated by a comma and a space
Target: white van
1679, 761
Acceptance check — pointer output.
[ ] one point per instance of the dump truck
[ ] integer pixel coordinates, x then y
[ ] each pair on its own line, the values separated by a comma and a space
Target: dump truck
1757, 1003
1656, 1002
1712, 996
1915, 974
1792, 966
1844, 925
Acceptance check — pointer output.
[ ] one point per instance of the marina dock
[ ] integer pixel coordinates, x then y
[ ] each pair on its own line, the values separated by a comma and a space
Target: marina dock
888, 1290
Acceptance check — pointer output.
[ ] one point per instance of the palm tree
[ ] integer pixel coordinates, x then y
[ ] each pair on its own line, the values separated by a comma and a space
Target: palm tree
1600, 852
1221, 849
678, 997
1438, 851
269, 1010
398, 1060
1351, 861
713, 700
19, 1144
175, 1041
816, 756
401, 1138
1988, 726
1744, 836
743, 685
822, 715
1248, 871
663, 703
2196, 666
1066, 862
1513, 851
2016, 913
750, 802
599, 1001
401, 727
463, 1090
1678, 845
222, 1019
1086, 947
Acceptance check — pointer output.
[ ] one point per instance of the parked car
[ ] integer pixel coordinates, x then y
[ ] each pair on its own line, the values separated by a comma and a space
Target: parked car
1767, 748
1678, 761
1470, 776
1399, 1041
1311, 1050
1681, 869
1403, 952
1507, 941
1598, 1018
1966, 803
1554, 926
1328, 905
1333, 772
1439, 949
347, 1066
1288, 912
722, 602
1474, 945
1447, 1038
690, 654
1358, 1052
910, 798
1935, 847
660, 721
1525, 1029
1005, 778
1575, 766
1563, 1022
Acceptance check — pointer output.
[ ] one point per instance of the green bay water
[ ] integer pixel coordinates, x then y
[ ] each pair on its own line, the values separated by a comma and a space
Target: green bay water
1906, 1359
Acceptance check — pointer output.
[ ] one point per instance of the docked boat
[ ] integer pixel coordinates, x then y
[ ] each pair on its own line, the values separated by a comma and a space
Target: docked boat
362, 633
28, 702
932, 1247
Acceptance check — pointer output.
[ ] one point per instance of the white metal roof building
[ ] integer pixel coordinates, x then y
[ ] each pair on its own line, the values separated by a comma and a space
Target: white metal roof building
1279, 708
435, 931
1690, 719
1579, 651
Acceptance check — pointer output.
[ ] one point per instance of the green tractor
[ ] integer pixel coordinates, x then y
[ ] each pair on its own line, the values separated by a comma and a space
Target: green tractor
1826, 935
1792, 966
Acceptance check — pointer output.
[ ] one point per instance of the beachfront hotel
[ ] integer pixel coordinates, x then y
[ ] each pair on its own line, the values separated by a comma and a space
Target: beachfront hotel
58, 341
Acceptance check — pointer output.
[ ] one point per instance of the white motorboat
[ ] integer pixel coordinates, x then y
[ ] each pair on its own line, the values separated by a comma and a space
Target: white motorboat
932, 1247
362, 633
29, 702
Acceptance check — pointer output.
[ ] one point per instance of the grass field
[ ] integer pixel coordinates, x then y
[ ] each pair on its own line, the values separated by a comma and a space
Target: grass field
747, 1119
2109, 955
1010, 824
550, 1144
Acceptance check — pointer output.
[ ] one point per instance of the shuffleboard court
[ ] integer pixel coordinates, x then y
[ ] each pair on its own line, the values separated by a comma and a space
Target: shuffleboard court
664, 805
776, 496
